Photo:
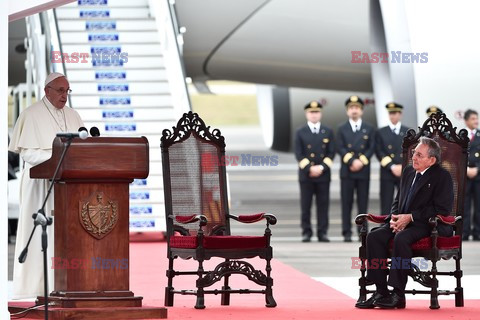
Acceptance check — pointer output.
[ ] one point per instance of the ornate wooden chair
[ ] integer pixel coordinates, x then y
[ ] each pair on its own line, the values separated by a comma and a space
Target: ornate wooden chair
198, 219
454, 159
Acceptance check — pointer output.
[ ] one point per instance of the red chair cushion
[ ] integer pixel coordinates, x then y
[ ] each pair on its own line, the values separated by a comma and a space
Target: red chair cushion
219, 242
443, 243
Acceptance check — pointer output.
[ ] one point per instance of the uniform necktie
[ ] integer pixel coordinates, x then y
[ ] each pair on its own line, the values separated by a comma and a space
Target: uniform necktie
394, 131
472, 135
315, 131
356, 128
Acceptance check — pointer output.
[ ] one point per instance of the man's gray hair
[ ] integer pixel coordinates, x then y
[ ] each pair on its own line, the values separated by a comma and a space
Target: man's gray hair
434, 149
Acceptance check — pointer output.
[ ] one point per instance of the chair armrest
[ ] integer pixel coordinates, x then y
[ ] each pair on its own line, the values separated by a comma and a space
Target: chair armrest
252, 218
191, 218
361, 218
448, 220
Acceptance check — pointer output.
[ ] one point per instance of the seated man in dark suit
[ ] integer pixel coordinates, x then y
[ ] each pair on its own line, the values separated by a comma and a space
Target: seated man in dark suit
426, 189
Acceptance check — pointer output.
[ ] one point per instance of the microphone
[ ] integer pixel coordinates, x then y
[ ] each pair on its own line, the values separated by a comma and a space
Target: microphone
94, 132
82, 135
82, 129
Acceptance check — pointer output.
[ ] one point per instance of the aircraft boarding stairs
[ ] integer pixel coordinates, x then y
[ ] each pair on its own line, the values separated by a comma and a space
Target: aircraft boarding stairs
125, 91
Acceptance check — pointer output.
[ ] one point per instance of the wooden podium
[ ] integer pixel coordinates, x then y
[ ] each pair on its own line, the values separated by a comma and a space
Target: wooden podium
91, 221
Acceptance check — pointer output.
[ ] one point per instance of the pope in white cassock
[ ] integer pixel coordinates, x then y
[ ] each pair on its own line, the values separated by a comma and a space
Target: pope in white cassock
32, 138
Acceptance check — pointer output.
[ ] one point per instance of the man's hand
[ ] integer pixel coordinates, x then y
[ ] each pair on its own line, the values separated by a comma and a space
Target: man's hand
396, 170
472, 172
356, 165
315, 171
398, 222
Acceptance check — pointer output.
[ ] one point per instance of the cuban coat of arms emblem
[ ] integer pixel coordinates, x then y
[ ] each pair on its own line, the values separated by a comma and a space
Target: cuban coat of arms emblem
98, 215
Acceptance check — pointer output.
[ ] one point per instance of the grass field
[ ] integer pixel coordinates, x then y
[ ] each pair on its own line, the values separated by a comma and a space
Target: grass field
226, 109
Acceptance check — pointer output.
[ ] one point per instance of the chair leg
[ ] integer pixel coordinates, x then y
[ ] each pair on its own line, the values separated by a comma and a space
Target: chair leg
226, 295
362, 282
200, 304
434, 293
169, 288
459, 289
270, 301
362, 253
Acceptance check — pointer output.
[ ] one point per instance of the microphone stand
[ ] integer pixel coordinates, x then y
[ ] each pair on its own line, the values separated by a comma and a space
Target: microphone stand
40, 218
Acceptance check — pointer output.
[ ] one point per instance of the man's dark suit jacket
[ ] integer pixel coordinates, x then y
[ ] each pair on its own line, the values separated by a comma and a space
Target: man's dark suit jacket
433, 195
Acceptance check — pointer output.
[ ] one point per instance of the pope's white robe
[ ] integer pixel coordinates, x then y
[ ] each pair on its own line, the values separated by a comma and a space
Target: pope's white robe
32, 138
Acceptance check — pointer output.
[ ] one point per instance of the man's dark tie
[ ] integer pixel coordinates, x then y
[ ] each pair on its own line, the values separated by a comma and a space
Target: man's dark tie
356, 128
412, 189
472, 136
394, 131
315, 130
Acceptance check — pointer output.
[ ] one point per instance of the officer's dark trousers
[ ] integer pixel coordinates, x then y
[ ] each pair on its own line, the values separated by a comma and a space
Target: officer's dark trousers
348, 186
472, 193
377, 248
321, 191
387, 194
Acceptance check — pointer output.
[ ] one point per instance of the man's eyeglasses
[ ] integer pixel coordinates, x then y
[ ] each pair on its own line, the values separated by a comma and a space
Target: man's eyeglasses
419, 155
62, 91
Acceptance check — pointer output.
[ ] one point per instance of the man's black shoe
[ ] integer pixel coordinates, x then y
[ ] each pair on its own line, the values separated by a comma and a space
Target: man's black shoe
392, 301
306, 238
323, 238
476, 238
465, 238
347, 239
369, 303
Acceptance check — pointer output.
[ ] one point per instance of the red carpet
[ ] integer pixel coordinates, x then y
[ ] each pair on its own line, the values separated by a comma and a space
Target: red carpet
297, 295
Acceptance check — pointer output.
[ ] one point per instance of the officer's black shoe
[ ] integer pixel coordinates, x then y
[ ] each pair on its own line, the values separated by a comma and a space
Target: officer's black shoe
347, 239
392, 301
369, 303
306, 238
476, 238
323, 238
465, 237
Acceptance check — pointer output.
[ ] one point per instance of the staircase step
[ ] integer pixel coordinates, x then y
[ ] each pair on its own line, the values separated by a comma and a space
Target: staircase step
120, 101
126, 62
152, 182
148, 224
122, 88
130, 128
133, 114
147, 210
109, 37
88, 50
117, 75
106, 3
146, 196
108, 25
68, 13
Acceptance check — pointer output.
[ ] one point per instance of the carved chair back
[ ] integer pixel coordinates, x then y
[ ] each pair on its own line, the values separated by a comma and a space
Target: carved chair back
196, 178
453, 158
